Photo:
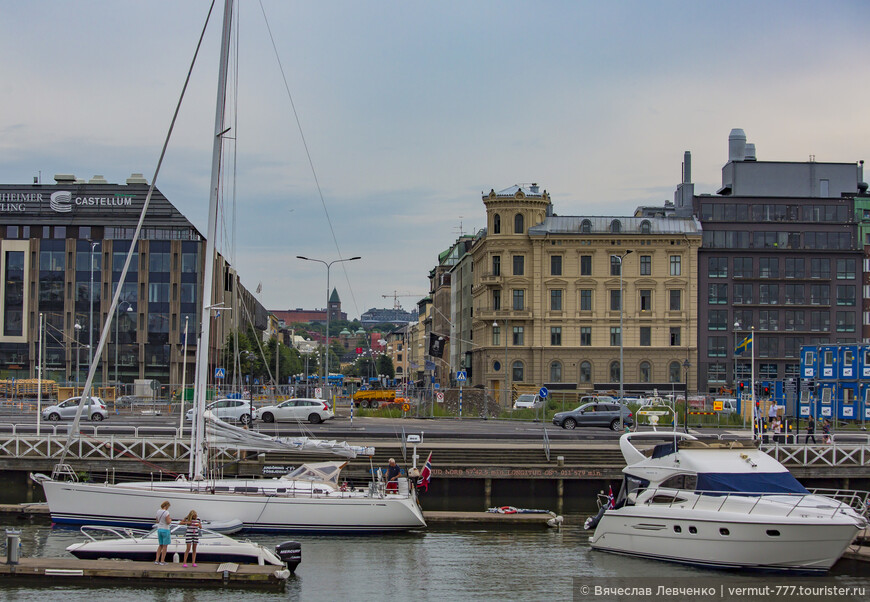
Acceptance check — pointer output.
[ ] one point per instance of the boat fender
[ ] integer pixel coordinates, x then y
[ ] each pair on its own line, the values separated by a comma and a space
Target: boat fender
507, 510
555, 522
593, 521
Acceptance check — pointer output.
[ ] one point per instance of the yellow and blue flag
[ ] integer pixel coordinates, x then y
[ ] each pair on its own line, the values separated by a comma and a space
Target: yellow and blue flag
745, 345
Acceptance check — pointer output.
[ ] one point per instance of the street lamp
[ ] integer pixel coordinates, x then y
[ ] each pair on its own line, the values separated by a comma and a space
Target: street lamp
495, 325
94, 245
621, 339
117, 326
78, 328
734, 355
686, 366
328, 265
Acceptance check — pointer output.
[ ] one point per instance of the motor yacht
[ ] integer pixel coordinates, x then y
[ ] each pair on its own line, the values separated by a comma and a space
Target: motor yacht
722, 504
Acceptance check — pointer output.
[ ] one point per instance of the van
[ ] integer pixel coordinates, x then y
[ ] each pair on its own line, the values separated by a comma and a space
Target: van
729, 405
528, 401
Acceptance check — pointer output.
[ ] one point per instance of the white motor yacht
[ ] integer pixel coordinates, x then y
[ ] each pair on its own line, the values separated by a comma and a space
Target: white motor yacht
140, 545
721, 505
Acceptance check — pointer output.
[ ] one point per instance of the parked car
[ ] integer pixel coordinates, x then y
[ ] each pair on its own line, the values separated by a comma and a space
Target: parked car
228, 409
594, 414
527, 401
314, 411
729, 404
94, 410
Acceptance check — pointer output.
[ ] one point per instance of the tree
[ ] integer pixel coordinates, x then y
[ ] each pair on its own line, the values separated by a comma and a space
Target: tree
385, 366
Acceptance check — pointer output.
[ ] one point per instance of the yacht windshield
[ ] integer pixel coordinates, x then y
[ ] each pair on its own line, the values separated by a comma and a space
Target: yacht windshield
739, 482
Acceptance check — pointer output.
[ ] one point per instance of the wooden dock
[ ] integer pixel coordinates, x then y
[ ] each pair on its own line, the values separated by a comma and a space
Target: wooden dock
438, 518
52, 570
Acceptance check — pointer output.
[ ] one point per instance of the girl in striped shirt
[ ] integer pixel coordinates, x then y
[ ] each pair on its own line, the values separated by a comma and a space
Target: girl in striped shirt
191, 538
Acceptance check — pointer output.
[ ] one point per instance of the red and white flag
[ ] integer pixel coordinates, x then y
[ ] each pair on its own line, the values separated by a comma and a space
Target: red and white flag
425, 475
611, 503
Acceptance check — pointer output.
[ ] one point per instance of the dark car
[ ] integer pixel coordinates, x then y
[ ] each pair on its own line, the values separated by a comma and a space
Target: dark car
594, 414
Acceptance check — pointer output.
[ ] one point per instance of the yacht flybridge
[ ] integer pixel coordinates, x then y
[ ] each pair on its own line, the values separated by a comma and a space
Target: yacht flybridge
721, 505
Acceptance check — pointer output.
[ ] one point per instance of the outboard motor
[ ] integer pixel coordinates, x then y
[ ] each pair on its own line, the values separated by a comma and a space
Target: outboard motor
593, 521
290, 553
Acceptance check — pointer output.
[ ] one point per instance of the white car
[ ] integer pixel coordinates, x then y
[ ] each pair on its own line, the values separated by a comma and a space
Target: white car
528, 401
228, 409
312, 410
96, 410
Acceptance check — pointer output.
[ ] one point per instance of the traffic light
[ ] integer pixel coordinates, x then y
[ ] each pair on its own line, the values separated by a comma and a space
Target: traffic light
766, 391
740, 386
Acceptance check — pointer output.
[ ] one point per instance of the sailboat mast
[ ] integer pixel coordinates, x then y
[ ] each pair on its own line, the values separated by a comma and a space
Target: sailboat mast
202, 347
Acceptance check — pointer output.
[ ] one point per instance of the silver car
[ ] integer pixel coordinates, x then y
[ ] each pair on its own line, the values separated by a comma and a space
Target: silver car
228, 409
94, 410
313, 410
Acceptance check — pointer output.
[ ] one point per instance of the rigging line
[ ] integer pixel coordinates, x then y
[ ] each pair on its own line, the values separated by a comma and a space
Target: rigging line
308, 154
133, 246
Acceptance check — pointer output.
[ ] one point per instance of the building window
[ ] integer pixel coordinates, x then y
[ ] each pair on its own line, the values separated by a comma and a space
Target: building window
676, 265
646, 265
820, 268
645, 227
586, 226
718, 294
555, 336
743, 267
674, 372
518, 223
615, 265
716, 346
675, 336
555, 265
645, 300
794, 267
768, 371
676, 299
716, 373
794, 294
615, 299
794, 320
586, 299
585, 336
614, 336
586, 265
496, 265
742, 292
519, 265
645, 336
496, 299
820, 294
615, 226
820, 321
845, 269
717, 267
585, 372
645, 372
717, 319
768, 267
768, 294
556, 372
768, 319
845, 321
519, 296
496, 335
556, 300
845, 294
614, 372
517, 372
518, 336
496, 224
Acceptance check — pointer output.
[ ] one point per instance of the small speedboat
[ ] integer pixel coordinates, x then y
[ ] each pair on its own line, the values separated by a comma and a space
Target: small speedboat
136, 544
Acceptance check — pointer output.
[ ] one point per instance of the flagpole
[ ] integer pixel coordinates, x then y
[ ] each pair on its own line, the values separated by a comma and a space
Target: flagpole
752, 383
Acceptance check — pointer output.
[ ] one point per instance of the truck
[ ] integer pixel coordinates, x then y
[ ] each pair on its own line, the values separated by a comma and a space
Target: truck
376, 398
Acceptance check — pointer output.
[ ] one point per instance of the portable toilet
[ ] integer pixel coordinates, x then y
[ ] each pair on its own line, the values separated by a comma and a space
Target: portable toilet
847, 397
864, 361
809, 355
827, 363
826, 400
863, 401
848, 362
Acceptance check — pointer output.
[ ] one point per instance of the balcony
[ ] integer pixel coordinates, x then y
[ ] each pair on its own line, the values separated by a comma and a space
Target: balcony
491, 279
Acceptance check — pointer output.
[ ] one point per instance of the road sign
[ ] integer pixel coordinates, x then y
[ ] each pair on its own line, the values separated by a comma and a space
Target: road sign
398, 392
220, 373
406, 407
461, 376
318, 392
717, 405
543, 392
439, 396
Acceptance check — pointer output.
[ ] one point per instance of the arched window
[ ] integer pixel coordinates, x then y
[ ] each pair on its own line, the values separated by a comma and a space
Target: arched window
645, 372
585, 372
644, 227
518, 371
556, 372
496, 224
518, 224
614, 372
674, 372
616, 226
585, 226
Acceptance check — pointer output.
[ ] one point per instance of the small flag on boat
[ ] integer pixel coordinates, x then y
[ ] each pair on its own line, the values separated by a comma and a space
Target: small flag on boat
611, 503
425, 474
745, 345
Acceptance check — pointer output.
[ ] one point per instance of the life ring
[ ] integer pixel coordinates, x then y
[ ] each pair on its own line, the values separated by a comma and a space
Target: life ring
507, 510
406, 407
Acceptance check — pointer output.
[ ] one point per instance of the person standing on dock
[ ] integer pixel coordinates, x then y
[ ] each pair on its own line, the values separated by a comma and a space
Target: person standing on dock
393, 472
163, 535
191, 537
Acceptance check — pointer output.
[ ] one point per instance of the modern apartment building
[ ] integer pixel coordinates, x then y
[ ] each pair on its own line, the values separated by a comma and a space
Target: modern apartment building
548, 297
781, 256
56, 239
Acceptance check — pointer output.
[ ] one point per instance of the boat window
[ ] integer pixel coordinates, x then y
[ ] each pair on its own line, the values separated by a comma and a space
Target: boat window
681, 481
247, 489
773, 533
678, 529
281, 490
630, 484
724, 531
666, 499
221, 488
693, 530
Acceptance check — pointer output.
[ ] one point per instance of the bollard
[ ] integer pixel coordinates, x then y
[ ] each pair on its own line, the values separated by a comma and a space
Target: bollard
560, 460
13, 543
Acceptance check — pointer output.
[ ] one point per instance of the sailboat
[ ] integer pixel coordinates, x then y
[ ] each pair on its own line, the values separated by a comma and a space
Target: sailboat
310, 498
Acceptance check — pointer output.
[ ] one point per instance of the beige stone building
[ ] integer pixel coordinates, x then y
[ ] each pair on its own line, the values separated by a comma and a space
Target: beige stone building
548, 297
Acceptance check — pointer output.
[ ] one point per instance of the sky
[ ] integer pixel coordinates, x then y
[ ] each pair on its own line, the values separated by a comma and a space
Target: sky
410, 111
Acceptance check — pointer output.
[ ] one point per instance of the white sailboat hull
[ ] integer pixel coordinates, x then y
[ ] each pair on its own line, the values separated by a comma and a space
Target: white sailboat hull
135, 505
800, 544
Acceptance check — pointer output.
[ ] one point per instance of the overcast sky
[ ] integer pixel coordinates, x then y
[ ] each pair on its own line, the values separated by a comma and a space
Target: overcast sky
412, 109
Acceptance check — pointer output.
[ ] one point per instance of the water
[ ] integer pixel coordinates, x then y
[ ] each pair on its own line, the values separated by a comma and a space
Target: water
436, 564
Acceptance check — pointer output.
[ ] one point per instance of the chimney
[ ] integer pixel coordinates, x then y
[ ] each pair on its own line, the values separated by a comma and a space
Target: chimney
687, 167
64, 178
736, 145
136, 178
